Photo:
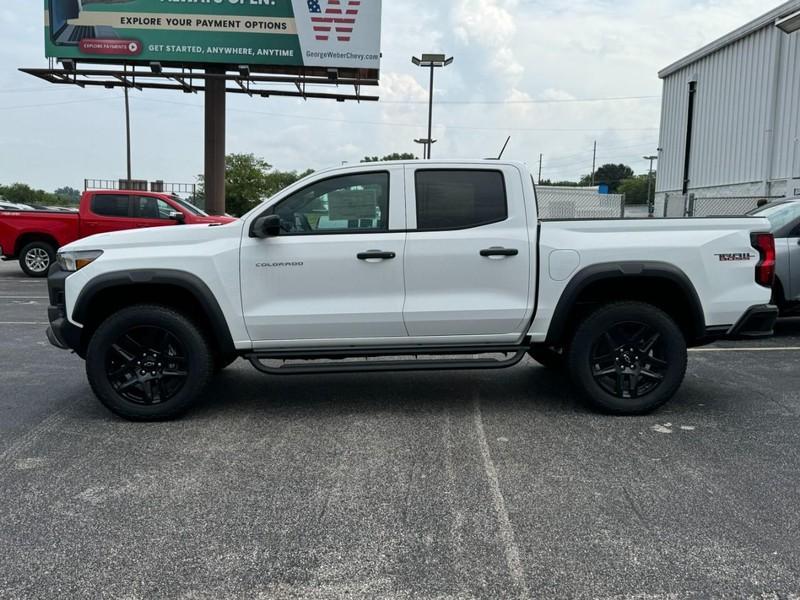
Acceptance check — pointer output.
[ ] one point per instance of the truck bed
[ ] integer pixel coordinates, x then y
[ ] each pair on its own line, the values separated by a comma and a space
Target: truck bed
63, 227
694, 246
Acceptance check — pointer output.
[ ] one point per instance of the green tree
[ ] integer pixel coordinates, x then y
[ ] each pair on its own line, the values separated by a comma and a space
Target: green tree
248, 181
68, 194
22, 193
611, 175
549, 183
635, 189
388, 157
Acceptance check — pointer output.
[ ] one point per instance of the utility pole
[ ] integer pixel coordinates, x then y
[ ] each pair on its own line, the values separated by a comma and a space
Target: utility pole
128, 133
594, 163
431, 61
651, 204
539, 181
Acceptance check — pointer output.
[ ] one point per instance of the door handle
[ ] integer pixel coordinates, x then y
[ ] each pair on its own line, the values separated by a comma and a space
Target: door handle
376, 255
493, 252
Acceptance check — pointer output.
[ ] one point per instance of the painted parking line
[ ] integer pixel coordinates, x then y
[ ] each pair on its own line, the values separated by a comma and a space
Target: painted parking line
24, 298
765, 349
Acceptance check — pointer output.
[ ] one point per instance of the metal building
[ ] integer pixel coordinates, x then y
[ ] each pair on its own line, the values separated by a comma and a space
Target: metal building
730, 121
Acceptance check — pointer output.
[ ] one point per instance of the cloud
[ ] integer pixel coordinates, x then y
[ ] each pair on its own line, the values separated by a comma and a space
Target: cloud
539, 56
491, 24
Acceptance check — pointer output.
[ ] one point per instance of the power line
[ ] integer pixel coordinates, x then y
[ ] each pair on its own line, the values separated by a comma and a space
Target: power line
559, 160
23, 106
350, 121
414, 125
532, 101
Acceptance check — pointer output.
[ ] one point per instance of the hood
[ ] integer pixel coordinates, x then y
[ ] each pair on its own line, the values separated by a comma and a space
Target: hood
220, 219
160, 236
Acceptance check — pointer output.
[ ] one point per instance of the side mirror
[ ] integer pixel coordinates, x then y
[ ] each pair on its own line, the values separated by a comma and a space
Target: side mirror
266, 227
178, 217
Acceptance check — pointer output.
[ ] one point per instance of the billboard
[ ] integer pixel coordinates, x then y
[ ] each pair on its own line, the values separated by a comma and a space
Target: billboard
343, 34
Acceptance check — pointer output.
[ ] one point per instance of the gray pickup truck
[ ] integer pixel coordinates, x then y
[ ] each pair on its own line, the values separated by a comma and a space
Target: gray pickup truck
784, 217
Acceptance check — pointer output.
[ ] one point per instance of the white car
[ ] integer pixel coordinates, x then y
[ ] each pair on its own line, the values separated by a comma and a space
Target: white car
13, 206
438, 265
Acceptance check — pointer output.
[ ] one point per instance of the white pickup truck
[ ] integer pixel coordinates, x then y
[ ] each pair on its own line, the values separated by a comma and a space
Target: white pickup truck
408, 266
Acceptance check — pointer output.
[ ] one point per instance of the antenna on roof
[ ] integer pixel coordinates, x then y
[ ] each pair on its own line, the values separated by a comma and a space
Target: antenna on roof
504, 148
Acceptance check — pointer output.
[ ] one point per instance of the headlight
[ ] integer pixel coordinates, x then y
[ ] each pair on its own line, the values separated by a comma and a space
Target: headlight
75, 261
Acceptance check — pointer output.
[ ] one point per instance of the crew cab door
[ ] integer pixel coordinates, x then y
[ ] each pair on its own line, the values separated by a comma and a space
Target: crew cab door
151, 211
468, 254
335, 272
107, 212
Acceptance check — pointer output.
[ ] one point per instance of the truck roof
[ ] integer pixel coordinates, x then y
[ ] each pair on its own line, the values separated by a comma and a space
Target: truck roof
482, 162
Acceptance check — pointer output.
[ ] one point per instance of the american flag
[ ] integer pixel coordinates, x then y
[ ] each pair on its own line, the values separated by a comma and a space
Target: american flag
339, 15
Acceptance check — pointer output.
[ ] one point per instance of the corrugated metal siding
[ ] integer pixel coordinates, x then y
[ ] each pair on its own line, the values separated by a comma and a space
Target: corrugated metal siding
731, 115
786, 163
674, 111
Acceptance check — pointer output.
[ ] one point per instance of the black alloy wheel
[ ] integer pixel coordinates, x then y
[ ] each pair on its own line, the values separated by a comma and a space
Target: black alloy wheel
147, 365
629, 360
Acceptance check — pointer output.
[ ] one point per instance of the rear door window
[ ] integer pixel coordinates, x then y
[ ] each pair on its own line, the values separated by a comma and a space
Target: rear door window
112, 205
454, 199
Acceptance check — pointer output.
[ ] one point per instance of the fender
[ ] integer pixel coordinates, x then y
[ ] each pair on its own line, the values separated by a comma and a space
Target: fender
622, 271
190, 283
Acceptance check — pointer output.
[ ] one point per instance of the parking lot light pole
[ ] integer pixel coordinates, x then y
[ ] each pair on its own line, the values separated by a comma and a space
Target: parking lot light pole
432, 62
651, 203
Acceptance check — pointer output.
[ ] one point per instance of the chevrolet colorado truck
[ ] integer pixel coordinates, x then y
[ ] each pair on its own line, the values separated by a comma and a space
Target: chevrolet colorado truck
408, 266
34, 236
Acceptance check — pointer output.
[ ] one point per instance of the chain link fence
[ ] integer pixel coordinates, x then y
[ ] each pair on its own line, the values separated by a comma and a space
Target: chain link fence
557, 203
690, 205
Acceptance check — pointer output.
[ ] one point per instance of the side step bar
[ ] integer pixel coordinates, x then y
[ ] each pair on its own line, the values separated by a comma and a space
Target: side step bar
325, 361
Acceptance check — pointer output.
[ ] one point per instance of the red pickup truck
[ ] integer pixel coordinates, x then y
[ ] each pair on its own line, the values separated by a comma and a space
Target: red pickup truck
33, 237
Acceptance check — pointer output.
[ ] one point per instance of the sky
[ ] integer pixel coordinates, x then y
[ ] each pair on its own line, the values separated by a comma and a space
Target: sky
555, 76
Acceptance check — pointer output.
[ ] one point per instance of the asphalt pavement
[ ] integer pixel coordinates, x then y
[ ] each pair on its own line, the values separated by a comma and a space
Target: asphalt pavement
438, 485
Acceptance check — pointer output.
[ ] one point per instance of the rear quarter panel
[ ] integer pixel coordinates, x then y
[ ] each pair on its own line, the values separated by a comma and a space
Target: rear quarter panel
60, 226
726, 288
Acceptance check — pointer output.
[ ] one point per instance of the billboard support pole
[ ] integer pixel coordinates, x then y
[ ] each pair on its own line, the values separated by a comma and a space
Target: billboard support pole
215, 143
128, 133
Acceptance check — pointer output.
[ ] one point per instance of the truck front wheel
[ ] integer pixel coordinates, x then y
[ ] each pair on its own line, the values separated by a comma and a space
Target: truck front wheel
35, 259
628, 358
148, 363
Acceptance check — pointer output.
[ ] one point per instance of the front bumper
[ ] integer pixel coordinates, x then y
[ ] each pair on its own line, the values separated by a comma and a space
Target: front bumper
61, 333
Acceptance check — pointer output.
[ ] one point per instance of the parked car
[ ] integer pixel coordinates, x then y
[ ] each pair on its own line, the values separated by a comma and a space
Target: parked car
408, 259
5, 205
784, 218
32, 237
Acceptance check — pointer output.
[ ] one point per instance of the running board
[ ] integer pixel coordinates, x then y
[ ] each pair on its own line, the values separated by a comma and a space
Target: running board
334, 360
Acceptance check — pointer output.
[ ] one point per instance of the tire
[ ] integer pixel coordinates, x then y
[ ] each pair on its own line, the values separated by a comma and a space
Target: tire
628, 358
548, 357
148, 363
35, 259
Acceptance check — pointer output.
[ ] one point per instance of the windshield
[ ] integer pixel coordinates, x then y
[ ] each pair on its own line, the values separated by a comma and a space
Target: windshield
779, 215
190, 207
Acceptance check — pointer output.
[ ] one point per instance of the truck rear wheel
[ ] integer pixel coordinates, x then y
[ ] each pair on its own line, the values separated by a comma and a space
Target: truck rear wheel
148, 363
628, 358
35, 258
